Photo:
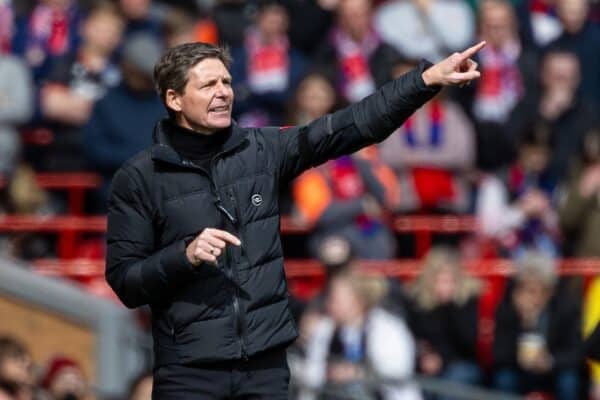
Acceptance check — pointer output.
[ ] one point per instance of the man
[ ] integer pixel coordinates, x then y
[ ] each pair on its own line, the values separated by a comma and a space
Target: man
532, 351
193, 222
132, 105
16, 378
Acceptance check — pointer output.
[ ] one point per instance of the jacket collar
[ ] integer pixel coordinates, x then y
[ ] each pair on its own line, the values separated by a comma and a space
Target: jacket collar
162, 150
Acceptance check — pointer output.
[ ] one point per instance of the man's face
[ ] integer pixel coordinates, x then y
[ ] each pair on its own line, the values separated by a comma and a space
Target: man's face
530, 296
206, 102
135, 9
572, 14
103, 31
273, 21
560, 71
355, 17
343, 304
497, 26
17, 370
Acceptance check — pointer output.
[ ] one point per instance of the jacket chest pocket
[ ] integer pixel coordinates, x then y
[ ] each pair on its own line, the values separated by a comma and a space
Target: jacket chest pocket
254, 198
189, 215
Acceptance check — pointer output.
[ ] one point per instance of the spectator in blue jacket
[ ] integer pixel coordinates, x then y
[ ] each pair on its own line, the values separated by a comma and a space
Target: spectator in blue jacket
130, 107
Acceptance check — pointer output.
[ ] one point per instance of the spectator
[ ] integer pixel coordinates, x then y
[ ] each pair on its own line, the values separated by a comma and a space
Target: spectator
430, 154
110, 135
314, 98
533, 349
7, 26
580, 219
514, 208
421, 29
581, 37
579, 210
444, 318
181, 28
266, 69
359, 339
64, 380
567, 117
232, 18
16, 379
509, 72
140, 18
347, 197
538, 22
75, 83
16, 107
353, 55
25, 197
141, 388
50, 30
304, 36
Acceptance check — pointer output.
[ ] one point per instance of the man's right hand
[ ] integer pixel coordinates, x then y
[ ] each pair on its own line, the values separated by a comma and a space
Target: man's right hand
209, 245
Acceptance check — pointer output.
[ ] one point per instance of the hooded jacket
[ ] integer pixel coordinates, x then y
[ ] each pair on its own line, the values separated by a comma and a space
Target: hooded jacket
161, 201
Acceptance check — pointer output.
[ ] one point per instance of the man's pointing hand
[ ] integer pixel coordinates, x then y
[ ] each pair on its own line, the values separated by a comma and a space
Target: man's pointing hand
457, 69
209, 245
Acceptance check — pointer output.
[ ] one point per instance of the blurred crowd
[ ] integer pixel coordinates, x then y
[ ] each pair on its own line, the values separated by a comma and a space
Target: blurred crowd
60, 378
519, 149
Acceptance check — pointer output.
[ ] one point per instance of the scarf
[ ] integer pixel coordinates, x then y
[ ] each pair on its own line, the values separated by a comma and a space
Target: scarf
356, 81
435, 112
268, 63
500, 86
533, 233
50, 33
432, 185
6, 25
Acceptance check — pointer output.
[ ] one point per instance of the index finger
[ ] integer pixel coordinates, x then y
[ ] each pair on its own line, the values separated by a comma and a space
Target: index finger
468, 53
226, 236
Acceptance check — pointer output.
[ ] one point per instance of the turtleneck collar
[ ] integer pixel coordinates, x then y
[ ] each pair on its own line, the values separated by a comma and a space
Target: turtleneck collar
194, 145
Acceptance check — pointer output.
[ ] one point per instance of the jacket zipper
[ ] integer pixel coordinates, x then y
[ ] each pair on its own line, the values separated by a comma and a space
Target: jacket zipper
230, 270
241, 320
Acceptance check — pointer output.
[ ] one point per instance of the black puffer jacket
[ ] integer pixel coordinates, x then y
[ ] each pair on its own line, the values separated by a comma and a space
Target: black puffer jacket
160, 202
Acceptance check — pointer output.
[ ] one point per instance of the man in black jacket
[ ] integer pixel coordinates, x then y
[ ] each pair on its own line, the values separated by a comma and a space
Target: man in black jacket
193, 222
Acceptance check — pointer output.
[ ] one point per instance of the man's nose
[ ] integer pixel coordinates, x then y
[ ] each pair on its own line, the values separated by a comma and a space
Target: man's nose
221, 89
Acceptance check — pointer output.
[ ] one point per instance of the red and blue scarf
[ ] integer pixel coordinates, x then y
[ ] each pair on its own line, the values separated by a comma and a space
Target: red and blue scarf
355, 80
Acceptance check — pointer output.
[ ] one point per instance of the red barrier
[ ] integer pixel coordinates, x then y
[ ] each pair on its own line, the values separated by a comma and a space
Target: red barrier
404, 224
68, 227
309, 268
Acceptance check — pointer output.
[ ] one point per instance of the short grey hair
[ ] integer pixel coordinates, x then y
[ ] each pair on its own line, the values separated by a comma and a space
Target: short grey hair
539, 266
171, 71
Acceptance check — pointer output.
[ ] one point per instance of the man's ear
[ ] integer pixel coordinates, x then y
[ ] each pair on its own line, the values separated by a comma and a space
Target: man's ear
173, 100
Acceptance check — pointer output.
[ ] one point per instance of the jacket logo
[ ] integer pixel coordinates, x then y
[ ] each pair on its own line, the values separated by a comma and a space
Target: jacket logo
257, 199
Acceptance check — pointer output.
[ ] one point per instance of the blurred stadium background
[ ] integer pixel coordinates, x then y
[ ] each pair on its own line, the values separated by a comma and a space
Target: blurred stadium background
457, 259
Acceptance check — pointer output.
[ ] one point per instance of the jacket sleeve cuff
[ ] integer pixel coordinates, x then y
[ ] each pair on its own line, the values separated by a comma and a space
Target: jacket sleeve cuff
422, 67
175, 262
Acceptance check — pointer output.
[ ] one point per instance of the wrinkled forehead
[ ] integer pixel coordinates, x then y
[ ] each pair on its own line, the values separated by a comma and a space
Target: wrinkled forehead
209, 69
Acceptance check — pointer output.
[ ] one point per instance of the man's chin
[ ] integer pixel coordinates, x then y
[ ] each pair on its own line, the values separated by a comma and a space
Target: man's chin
220, 123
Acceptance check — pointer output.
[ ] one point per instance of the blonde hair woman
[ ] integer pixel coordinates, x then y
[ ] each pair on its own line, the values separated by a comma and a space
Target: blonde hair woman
443, 280
359, 339
444, 316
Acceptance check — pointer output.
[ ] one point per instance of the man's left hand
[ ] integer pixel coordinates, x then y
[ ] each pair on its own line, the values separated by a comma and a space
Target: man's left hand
457, 69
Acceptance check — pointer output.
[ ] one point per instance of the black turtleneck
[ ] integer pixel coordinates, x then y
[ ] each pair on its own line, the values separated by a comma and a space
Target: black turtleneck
195, 146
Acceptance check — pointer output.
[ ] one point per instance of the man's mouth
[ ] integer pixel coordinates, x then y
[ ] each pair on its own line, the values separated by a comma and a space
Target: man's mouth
219, 109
